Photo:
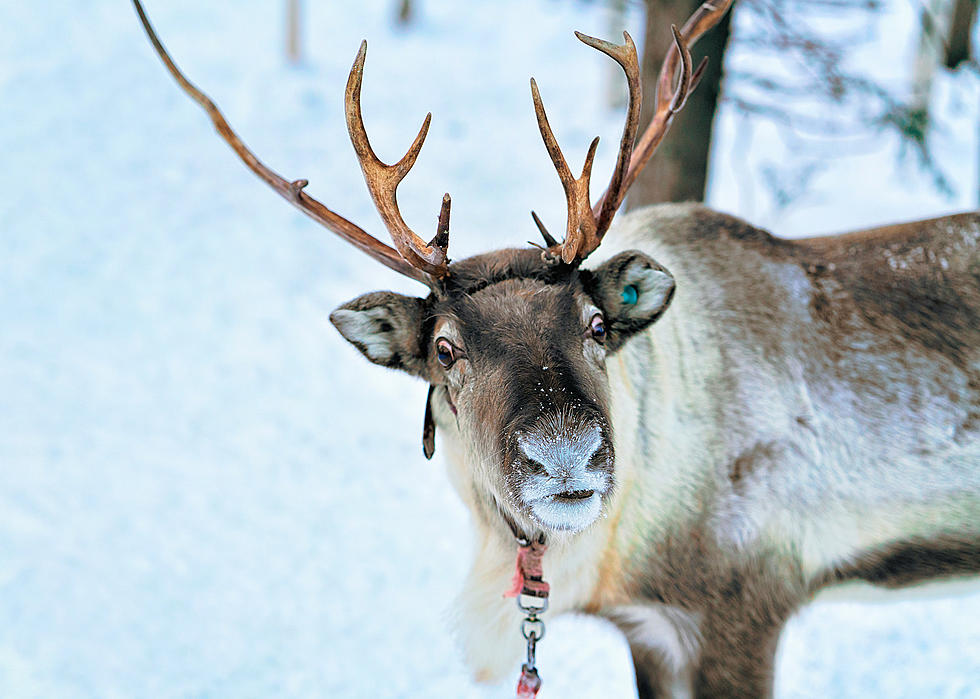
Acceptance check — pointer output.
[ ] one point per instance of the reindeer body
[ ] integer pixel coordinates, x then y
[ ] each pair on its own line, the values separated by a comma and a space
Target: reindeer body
806, 412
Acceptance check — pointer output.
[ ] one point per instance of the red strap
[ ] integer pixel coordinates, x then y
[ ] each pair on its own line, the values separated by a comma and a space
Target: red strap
529, 683
527, 577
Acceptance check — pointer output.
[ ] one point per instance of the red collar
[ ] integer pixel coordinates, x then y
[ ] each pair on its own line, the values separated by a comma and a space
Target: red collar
529, 584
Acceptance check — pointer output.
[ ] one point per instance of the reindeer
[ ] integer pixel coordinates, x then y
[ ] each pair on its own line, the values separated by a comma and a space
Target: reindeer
706, 423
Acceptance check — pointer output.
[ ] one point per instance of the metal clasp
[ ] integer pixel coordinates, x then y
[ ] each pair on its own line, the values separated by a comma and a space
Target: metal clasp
532, 628
539, 606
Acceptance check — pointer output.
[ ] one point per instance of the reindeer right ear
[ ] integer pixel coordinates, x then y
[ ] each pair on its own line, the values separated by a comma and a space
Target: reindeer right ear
633, 290
385, 327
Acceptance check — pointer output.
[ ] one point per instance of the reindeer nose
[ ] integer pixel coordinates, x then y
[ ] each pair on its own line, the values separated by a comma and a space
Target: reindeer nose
561, 455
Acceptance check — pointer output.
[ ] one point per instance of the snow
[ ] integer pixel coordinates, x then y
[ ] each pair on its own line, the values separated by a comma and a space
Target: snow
203, 489
860, 183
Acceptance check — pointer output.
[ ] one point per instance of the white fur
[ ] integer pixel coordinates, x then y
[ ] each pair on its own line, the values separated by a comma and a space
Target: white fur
655, 286
361, 327
669, 630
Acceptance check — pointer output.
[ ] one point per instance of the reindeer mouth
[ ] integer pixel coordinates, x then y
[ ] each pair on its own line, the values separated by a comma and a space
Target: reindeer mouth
570, 511
565, 472
575, 495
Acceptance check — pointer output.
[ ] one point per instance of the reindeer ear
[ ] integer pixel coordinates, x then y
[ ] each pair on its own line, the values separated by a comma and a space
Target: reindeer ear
385, 327
633, 290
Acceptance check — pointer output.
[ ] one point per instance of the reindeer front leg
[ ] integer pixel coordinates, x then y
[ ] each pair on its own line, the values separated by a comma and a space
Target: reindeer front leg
746, 609
680, 654
665, 644
737, 659
717, 637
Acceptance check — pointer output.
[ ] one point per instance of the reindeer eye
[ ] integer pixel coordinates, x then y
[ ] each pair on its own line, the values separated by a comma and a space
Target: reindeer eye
445, 352
598, 328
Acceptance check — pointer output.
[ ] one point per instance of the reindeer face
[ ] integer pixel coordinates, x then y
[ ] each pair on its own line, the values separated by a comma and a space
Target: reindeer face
527, 381
516, 350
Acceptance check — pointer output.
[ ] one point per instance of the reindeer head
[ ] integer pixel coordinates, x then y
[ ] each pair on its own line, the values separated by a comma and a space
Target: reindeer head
513, 343
515, 349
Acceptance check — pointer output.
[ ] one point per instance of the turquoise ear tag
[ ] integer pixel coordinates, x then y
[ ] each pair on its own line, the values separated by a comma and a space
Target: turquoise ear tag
630, 295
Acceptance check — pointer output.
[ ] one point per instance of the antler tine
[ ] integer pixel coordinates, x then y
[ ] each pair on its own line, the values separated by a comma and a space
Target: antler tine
549, 239
625, 56
581, 227
383, 179
684, 81
550, 142
441, 239
292, 191
703, 19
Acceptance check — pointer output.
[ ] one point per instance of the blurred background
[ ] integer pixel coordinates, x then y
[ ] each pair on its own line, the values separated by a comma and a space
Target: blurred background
203, 490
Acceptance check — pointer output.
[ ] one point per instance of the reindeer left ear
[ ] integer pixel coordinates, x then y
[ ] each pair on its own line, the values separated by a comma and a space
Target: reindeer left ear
385, 327
633, 290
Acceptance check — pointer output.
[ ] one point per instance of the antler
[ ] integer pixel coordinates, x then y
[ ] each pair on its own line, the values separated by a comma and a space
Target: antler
383, 180
413, 258
586, 224
581, 222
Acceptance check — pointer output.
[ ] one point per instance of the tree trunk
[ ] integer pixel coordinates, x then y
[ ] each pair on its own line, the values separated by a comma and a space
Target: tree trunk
294, 49
678, 171
405, 12
961, 27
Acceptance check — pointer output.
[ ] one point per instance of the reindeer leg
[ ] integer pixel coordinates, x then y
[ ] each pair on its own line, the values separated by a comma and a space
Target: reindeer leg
663, 641
738, 661
654, 678
746, 612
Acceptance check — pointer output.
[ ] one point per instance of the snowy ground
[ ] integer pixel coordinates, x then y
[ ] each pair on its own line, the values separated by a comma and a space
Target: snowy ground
203, 490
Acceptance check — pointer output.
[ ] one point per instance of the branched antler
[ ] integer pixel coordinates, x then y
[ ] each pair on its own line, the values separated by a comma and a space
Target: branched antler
383, 180
586, 224
413, 258
581, 222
